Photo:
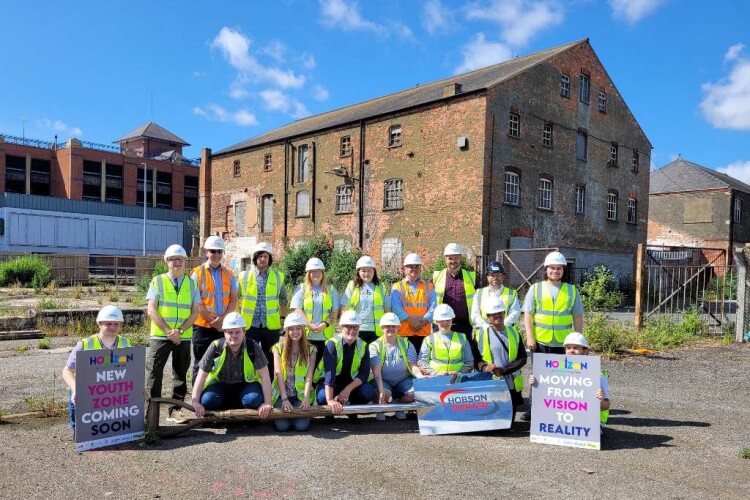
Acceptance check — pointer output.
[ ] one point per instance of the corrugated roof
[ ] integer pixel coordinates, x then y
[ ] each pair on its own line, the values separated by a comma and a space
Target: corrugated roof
682, 175
470, 82
152, 131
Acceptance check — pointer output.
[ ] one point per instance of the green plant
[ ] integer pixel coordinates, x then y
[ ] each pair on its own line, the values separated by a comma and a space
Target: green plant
43, 343
48, 406
138, 338
151, 438
15, 289
48, 303
29, 270
77, 291
113, 294
341, 267
440, 264
722, 287
294, 260
143, 281
745, 453
51, 289
664, 331
599, 290
608, 336
22, 348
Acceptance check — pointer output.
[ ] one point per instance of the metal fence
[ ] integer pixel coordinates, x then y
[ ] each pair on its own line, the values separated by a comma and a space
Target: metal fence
742, 329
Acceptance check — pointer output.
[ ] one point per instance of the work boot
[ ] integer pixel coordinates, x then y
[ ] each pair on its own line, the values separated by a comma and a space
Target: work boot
526, 417
400, 415
380, 417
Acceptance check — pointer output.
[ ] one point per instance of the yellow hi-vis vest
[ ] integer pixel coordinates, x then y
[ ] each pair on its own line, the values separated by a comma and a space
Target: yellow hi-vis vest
445, 357
93, 342
484, 298
469, 278
173, 309
308, 307
604, 414
360, 351
247, 366
300, 372
553, 319
483, 343
249, 297
403, 347
377, 303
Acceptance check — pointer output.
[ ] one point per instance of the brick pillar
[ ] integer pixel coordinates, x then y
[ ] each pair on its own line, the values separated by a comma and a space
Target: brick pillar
204, 194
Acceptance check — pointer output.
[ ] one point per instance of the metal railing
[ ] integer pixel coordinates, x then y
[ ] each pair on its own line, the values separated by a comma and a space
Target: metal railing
35, 143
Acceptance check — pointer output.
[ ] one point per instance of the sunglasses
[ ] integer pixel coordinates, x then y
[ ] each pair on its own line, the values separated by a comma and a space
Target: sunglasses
216, 251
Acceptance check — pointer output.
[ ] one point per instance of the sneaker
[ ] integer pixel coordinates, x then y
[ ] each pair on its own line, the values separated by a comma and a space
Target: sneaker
400, 415
175, 417
526, 417
380, 417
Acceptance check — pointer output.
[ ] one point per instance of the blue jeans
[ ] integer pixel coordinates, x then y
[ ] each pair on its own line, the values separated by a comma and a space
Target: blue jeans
221, 396
71, 414
284, 424
397, 390
359, 396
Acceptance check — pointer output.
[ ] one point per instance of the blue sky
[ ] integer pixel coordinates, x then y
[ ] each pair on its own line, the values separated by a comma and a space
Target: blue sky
217, 73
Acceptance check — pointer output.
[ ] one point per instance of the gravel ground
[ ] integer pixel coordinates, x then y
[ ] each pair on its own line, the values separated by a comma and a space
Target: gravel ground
679, 421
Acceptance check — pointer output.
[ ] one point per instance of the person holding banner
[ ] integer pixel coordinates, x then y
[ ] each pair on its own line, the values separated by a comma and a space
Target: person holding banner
110, 322
494, 291
294, 364
394, 366
445, 352
413, 300
366, 295
233, 369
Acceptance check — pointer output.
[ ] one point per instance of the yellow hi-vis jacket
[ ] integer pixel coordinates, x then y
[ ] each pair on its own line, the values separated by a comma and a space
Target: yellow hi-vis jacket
249, 297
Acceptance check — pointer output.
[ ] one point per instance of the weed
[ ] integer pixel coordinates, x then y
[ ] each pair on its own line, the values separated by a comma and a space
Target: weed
49, 406
29, 270
43, 343
137, 300
599, 290
16, 289
745, 453
138, 338
662, 331
151, 438
114, 294
77, 291
51, 289
22, 348
48, 303
608, 336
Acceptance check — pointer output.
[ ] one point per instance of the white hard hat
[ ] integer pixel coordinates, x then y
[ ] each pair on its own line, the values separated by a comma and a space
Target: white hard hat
555, 258
214, 243
315, 264
413, 260
349, 318
575, 338
452, 249
294, 319
109, 313
233, 320
389, 319
365, 261
262, 247
175, 251
443, 312
495, 306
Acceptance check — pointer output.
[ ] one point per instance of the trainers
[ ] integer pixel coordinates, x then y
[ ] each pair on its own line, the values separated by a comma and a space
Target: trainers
400, 415
380, 417
526, 417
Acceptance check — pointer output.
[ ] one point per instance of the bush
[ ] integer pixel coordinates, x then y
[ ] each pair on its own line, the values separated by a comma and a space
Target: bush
29, 270
143, 281
341, 267
722, 287
663, 331
43, 343
293, 263
599, 290
608, 336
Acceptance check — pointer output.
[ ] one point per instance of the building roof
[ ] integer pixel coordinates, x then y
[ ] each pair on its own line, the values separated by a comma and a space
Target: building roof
476, 80
152, 131
682, 175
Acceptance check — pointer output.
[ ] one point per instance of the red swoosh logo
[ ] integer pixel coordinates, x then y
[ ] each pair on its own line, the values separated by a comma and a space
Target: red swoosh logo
448, 393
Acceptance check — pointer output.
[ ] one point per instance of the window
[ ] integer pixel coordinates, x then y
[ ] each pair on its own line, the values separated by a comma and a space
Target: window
240, 213
149, 187
581, 146
545, 194
393, 194
303, 166
613, 154
394, 136
602, 101
512, 188
92, 180
266, 222
514, 125
40, 177
636, 161
547, 135
580, 199
113, 189
342, 245
585, 91
611, 206
267, 162
191, 193
632, 211
15, 174
345, 146
564, 85
737, 210
390, 253
344, 199
303, 204
236, 168
163, 190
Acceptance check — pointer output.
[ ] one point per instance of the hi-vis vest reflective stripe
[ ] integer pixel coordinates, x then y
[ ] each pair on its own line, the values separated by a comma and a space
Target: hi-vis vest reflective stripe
485, 298
403, 347
173, 309
94, 342
483, 343
377, 303
206, 287
445, 357
249, 297
360, 351
604, 414
469, 278
553, 318
300, 372
247, 366
307, 306
414, 304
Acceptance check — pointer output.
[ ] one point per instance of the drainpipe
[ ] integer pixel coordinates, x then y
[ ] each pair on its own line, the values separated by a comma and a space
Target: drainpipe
313, 199
361, 177
730, 250
286, 189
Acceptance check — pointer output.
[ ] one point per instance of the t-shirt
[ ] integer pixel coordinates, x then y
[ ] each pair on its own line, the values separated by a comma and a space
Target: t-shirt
317, 295
365, 307
604, 385
233, 370
394, 368
500, 353
71, 362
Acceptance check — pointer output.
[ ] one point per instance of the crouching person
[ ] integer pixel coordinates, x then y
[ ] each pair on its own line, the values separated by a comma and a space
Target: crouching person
231, 371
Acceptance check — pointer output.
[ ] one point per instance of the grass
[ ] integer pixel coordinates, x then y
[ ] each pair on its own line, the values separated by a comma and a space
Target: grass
48, 406
16, 289
745, 453
151, 438
77, 291
48, 303
43, 343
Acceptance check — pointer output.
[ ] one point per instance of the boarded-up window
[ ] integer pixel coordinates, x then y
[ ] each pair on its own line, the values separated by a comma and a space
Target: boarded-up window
697, 211
267, 215
240, 211
303, 204
390, 253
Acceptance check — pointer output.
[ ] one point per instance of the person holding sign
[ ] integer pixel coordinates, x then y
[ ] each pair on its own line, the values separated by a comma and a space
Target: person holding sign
294, 364
445, 352
394, 366
110, 322
367, 295
233, 368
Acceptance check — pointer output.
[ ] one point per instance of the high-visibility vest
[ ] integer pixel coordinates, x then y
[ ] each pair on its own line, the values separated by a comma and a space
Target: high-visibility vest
469, 278
249, 297
445, 357
483, 343
403, 347
360, 351
416, 304
300, 373
206, 287
604, 414
553, 318
308, 307
377, 303
93, 342
247, 366
485, 297
173, 309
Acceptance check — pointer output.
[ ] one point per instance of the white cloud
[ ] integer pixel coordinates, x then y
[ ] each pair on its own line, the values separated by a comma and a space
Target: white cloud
60, 127
275, 50
633, 10
243, 117
320, 93
275, 100
300, 110
346, 15
401, 30
733, 52
740, 170
308, 61
479, 53
198, 74
519, 20
726, 103
435, 16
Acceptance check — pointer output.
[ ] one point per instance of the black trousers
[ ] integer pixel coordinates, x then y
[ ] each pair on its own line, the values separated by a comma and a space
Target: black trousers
368, 337
267, 339
416, 341
319, 345
202, 338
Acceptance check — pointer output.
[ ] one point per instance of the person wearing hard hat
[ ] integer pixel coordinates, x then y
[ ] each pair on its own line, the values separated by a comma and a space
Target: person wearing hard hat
345, 369
109, 321
368, 297
394, 366
263, 300
294, 362
495, 291
218, 289
445, 352
233, 369
173, 305
317, 302
413, 301
455, 286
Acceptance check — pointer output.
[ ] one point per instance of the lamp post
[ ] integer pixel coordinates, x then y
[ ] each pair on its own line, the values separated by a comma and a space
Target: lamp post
145, 202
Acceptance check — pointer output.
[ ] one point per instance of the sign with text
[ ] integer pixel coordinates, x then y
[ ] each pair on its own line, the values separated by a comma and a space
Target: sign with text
470, 406
565, 409
109, 397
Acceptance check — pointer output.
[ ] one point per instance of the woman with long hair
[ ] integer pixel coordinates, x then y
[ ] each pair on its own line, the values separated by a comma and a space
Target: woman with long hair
366, 296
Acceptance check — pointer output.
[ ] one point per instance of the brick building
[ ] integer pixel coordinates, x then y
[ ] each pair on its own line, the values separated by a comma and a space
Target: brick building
534, 152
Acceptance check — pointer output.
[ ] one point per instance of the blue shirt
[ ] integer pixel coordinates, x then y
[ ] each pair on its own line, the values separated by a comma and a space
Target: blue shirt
397, 301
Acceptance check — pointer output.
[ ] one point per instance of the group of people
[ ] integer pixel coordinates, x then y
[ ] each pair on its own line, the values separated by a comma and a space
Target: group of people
253, 348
